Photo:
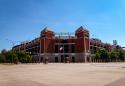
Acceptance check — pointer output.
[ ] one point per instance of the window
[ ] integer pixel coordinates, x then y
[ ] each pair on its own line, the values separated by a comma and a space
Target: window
56, 48
73, 48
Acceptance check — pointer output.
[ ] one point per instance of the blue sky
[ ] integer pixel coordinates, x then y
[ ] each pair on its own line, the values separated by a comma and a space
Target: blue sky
22, 20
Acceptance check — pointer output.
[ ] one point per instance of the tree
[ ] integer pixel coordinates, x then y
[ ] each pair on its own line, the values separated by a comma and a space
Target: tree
121, 54
24, 57
102, 54
114, 55
117, 53
3, 51
2, 58
14, 57
11, 56
97, 55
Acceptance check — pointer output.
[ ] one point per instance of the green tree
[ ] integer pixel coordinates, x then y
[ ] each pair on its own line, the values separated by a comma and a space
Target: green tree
11, 56
2, 58
97, 55
117, 53
24, 57
102, 54
114, 55
121, 54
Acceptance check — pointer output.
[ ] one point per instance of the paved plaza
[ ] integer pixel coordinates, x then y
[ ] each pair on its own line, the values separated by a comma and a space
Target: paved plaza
63, 74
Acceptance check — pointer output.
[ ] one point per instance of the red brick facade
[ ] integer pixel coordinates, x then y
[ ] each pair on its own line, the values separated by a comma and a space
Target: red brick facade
77, 48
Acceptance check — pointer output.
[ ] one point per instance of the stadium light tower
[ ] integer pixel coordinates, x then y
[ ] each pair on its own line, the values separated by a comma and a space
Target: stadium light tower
12, 42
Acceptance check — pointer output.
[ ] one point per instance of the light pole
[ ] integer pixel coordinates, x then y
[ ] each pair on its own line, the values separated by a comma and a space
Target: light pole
13, 44
12, 47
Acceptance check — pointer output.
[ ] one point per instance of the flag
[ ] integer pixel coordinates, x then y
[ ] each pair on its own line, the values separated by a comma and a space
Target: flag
61, 48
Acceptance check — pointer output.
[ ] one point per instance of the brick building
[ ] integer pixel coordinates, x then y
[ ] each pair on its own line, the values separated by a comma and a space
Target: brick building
96, 44
77, 47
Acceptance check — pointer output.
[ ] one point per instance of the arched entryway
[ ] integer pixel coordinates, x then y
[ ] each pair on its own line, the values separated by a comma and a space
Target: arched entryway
41, 59
73, 59
62, 58
56, 59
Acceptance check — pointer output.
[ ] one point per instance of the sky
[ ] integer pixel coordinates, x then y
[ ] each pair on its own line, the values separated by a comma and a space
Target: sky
23, 20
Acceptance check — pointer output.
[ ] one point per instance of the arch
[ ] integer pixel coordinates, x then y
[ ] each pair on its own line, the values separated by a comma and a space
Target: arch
56, 59
73, 59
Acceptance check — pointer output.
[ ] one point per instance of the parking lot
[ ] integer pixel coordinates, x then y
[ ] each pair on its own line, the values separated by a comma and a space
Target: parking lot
63, 74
